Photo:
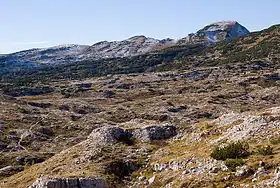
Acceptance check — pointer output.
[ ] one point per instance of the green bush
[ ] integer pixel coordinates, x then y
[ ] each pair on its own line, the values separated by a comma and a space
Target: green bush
265, 150
233, 150
233, 163
275, 141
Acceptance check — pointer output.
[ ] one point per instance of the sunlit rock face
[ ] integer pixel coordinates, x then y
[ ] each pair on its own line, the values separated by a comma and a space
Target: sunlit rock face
216, 32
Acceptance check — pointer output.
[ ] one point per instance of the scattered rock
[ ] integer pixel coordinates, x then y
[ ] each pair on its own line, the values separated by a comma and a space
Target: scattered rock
152, 179
44, 130
261, 163
185, 172
10, 170
47, 182
151, 133
123, 86
215, 170
108, 94
250, 126
259, 172
3, 145
75, 118
141, 178
2, 125
84, 85
14, 147
157, 117
64, 107
243, 170
204, 115
109, 135
32, 118
23, 160
13, 138
277, 173
226, 178
176, 109
17, 132
84, 109
30, 137
40, 105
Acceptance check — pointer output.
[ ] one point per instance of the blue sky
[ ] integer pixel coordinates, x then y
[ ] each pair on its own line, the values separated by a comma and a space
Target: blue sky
27, 24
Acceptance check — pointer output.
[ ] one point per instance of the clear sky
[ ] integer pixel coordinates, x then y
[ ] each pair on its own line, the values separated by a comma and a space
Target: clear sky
27, 24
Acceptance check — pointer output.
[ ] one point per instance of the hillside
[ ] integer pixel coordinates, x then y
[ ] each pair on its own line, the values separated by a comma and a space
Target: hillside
251, 50
134, 46
190, 115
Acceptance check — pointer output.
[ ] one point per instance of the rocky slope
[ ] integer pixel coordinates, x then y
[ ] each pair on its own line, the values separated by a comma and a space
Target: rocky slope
133, 46
152, 129
216, 32
35, 57
205, 116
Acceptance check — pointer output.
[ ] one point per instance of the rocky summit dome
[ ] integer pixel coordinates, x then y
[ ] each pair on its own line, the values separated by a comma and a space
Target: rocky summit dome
222, 30
216, 32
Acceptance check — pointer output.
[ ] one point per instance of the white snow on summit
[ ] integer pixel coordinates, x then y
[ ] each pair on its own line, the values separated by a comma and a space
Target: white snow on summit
223, 25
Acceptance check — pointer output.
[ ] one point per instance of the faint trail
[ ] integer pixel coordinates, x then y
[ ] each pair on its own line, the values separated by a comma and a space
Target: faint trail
21, 137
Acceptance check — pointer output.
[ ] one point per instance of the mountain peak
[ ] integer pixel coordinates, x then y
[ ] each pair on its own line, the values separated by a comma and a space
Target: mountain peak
140, 39
137, 37
222, 25
223, 30
225, 22
216, 32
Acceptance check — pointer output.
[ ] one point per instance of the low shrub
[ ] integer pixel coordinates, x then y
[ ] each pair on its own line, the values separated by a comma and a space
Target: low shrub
275, 141
233, 163
265, 150
233, 150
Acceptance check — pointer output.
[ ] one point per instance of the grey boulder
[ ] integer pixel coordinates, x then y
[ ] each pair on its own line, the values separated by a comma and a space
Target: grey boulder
46, 182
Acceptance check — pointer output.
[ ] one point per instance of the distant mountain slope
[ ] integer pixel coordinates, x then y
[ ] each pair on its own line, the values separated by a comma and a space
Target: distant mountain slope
256, 50
138, 45
133, 46
56, 54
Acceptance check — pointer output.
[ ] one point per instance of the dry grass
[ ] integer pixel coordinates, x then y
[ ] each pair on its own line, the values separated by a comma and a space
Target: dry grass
146, 102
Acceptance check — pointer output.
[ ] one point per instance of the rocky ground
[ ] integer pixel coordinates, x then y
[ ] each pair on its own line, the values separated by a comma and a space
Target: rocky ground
145, 130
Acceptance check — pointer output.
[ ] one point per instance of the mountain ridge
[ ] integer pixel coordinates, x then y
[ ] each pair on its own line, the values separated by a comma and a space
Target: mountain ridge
133, 46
